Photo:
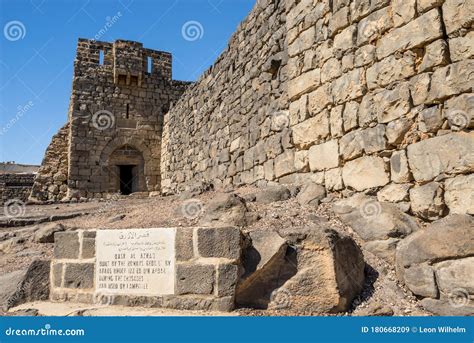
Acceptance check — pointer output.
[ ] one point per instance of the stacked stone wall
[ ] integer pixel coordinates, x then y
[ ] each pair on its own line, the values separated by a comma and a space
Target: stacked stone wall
15, 187
367, 96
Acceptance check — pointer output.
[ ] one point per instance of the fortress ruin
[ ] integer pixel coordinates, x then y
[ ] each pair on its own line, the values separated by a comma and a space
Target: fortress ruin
367, 96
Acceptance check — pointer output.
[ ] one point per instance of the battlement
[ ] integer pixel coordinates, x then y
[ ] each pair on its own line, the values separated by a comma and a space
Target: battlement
128, 61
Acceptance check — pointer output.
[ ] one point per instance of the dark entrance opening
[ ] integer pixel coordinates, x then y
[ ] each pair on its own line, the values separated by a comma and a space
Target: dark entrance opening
126, 179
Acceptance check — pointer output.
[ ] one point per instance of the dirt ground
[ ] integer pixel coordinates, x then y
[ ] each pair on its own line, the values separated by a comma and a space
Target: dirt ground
382, 293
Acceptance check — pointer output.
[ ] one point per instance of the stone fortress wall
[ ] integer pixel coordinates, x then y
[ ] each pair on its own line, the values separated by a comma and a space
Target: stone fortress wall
16, 181
367, 96
120, 92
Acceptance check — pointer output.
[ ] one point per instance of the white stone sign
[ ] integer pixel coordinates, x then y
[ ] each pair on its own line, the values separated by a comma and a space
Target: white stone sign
135, 261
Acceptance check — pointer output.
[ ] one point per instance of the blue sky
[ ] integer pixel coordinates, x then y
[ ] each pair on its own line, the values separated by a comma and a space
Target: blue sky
37, 47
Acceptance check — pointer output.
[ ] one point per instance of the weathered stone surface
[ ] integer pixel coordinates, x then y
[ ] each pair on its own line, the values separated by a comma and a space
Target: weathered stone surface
403, 11
227, 277
195, 279
88, 244
454, 275
462, 48
384, 248
430, 119
311, 194
311, 131
374, 25
305, 83
422, 30
373, 220
45, 234
333, 179
79, 275
421, 279
448, 238
66, 245
273, 194
451, 80
392, 104
399, 169
427, 201
390, 69
394, 192
446, 308
436, 54
459, 111
457, 14
324, 156
329, 273
262, 260
397, 129
219, 242
459, 194
365, 172
225, 209
184, 244
9, 282
452, 153
284, 164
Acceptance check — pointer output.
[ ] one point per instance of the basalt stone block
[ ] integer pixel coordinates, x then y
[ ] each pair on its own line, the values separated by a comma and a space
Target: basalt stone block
184, 244
219, 242
88, 244
57, 274
195, 278
227, 277
66, 245
79, 275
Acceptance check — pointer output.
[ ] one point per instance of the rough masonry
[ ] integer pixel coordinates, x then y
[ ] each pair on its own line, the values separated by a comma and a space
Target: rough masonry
112, 140
359, 96
370, 96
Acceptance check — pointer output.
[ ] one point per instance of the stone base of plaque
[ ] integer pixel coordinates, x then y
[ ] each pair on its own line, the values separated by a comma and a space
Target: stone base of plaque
197, 267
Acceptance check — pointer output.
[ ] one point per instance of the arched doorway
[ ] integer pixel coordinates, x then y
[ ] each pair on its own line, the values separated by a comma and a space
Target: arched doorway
127, 170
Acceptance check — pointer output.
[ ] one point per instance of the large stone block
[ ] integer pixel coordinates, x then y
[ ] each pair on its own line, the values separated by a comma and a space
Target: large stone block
227, 277
184, 244
457, 14
374, 25
373, 220
418, 32
324, 156
305, 83
459, 194
195, 278
219, 242
392, 104
391, 69
427, 201
349, 86
365, 172
284, 164
311, 131
79, 275
66, 245
399, 169
452, 153
462, 48
453, 79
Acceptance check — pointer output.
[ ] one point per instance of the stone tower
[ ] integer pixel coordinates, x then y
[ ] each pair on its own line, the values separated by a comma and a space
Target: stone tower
112, 141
